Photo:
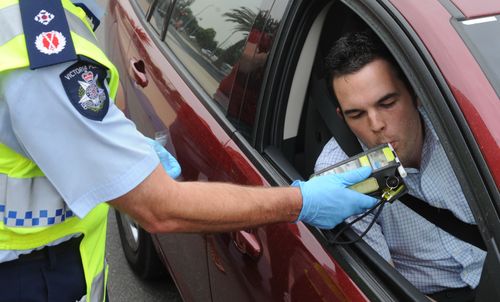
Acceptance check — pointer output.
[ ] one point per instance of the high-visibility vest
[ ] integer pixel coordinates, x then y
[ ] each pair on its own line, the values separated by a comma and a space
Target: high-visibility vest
33, 214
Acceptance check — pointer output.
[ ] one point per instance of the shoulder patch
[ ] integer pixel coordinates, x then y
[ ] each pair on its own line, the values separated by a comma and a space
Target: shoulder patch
46, 32
84, 86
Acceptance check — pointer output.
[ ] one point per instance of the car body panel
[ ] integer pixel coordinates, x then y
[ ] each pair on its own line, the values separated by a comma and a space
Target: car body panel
290, 264
166, 106
185, 256
431, 21
478, 9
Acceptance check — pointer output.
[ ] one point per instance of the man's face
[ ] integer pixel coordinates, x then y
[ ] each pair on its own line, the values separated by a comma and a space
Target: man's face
379, 109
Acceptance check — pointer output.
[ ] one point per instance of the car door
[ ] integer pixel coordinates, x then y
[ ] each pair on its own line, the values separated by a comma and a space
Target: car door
163, 105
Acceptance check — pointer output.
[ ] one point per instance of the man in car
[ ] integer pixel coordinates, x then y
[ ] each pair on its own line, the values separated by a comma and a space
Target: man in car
67, 152
378, 104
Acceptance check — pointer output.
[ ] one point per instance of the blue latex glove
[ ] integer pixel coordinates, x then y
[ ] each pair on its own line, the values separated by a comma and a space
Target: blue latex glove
326, 201
168, 162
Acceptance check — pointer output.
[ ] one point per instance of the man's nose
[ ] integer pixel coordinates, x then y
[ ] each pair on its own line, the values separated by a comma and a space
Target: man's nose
377, 122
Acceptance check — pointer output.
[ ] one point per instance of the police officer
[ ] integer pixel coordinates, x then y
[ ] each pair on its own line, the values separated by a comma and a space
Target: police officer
67, 153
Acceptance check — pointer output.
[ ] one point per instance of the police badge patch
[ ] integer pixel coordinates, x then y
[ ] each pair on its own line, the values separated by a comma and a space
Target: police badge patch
84, 85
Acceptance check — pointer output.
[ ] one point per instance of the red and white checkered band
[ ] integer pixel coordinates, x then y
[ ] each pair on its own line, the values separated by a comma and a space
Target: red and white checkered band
51, 42
44, 17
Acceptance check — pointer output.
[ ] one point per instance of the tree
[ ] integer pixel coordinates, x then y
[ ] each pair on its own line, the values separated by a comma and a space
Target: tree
205, 38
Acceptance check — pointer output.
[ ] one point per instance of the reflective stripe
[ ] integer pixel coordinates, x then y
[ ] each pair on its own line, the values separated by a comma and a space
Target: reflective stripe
14, 27
98, 286
27, 202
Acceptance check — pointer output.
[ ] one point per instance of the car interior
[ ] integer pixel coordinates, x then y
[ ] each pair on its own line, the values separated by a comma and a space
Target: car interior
311, 118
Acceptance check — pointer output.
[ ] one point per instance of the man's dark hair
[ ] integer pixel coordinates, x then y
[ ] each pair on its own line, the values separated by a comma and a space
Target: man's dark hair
351, 52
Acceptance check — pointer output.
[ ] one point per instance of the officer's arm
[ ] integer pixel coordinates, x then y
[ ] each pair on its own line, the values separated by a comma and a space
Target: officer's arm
160, 204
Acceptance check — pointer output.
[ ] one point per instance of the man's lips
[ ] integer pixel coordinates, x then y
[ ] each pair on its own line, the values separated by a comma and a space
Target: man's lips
392, 142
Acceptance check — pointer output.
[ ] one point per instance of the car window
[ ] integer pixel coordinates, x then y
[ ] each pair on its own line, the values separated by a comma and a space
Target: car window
159, 15
144, 5
210, 39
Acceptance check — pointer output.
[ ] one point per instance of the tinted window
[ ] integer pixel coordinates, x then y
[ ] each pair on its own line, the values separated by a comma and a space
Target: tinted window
160, 13
209, 38
144, 5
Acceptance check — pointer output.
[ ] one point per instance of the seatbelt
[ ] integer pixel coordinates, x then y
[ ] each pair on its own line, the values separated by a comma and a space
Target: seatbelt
442, 218
445, 220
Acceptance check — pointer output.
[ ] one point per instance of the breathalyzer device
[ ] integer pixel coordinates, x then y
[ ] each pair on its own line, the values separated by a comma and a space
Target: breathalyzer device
385, 182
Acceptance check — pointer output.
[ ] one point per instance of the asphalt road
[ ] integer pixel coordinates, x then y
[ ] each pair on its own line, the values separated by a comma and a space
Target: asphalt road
123, 285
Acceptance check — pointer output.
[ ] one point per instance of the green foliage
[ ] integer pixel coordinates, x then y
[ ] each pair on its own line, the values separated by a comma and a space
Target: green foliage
205, 38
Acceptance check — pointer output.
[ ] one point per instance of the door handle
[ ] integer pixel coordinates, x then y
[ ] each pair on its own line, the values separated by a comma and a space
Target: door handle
247, 243
138, 70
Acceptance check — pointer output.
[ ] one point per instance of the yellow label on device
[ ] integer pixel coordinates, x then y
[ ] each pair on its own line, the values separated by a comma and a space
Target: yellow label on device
388, 154
364, 161
369, 185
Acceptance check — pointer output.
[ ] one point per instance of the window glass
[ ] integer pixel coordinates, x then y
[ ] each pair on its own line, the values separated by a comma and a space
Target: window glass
209, 38
144, 5
159, 14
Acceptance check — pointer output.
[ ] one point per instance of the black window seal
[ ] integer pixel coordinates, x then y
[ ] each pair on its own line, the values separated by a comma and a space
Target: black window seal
273, 76
151, 8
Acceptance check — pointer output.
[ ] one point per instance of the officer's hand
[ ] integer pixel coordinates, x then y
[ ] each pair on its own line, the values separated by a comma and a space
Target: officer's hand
168, 162
326, 201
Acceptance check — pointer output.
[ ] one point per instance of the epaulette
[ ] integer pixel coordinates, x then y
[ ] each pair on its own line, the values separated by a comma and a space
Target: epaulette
47, 34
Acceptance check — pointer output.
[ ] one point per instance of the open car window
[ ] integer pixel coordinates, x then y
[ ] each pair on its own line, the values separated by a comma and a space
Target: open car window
306, 120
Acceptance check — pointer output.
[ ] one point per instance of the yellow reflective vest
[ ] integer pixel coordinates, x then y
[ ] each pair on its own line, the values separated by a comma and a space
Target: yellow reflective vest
23, 225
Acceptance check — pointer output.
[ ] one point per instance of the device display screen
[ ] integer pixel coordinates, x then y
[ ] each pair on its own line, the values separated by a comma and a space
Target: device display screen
377, 158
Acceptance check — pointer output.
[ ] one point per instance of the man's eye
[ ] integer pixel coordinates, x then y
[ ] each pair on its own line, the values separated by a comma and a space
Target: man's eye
356, 115
388, 103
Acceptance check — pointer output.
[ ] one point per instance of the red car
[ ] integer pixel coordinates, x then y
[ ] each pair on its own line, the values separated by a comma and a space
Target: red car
236, 91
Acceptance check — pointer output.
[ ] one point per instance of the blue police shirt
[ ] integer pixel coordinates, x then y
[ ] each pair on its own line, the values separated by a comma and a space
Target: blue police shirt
88, 161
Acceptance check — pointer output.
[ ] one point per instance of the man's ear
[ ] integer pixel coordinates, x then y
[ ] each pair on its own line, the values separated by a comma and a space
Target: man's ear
340, 114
